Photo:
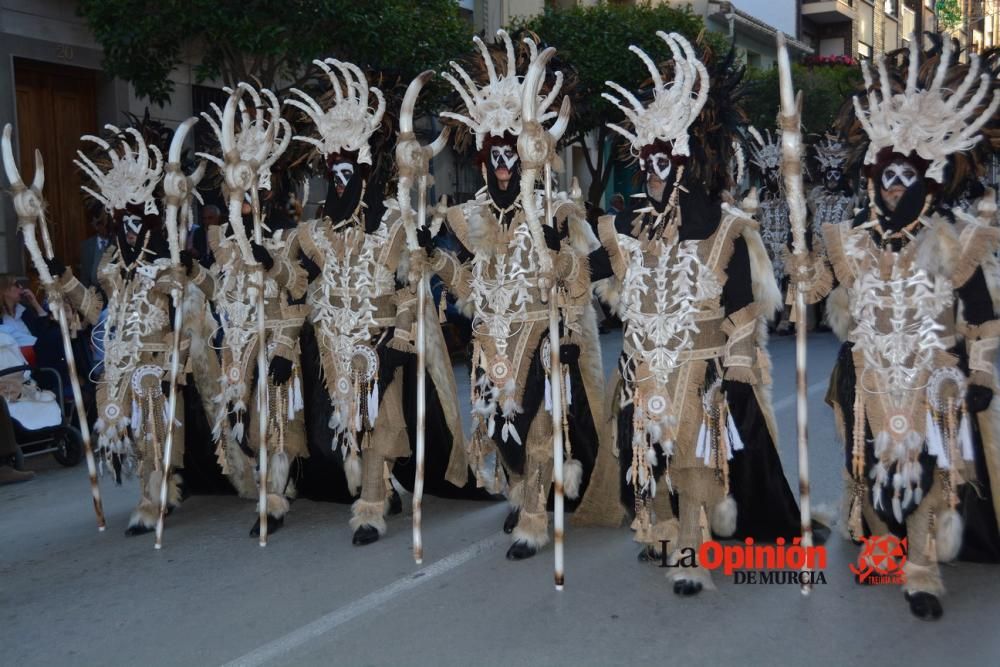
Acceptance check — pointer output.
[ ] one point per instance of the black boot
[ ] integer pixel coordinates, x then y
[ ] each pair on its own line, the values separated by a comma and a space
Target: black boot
510, 523
138, 529
924, 606
649, 554
687, 588
520, 550
395, 503
365, 535
274, 524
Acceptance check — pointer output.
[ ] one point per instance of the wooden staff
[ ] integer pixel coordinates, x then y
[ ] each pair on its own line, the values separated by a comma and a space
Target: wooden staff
536, 148
30, 208
413, 160
244, 172
791, 168
178, 189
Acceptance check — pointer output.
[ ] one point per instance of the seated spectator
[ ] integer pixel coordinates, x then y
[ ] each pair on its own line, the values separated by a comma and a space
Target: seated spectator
21, 315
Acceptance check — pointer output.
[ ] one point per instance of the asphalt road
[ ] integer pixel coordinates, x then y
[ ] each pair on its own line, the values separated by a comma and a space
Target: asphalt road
72, 596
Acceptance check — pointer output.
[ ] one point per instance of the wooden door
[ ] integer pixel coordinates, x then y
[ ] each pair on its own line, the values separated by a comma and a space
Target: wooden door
56, 105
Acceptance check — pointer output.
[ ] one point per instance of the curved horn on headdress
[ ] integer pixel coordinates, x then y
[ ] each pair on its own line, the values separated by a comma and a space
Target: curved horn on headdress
228, 137
177, 142
533, 83
9, 165
39, 180
438, 144
487, 59
410, 101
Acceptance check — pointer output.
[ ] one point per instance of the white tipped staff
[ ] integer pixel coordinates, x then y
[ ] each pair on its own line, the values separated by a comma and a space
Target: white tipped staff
178, 188
30, 208
246, 162
413, 160
536, 148
791, 167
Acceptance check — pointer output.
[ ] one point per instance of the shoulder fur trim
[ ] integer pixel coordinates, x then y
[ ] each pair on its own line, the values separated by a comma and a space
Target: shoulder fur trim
765, 290
938, 250
976, 243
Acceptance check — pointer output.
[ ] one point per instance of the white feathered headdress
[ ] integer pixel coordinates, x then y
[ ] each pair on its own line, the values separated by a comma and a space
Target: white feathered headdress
933, 122
675, 105
765, 154
494, 108
831, 153
348, 125
133, 175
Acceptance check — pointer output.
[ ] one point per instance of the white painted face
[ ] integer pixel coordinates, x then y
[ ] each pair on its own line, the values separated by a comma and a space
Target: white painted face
901, 174
133, 223
342, 173
503, 157
660, 164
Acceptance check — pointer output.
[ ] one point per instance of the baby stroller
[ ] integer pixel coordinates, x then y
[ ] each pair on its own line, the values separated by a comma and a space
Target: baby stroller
42, 422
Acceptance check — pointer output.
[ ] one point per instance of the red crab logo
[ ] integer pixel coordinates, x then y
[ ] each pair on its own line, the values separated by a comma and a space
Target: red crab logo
881, 560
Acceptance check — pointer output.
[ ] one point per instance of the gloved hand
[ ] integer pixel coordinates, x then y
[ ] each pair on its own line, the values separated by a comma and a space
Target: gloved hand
551, 237
187, 261
569, 353
280, 370
262, 256
56, 268
977, 398
425, 239
312, 269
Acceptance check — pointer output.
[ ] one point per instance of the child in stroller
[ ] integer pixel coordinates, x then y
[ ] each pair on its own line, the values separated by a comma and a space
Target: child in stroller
41, 419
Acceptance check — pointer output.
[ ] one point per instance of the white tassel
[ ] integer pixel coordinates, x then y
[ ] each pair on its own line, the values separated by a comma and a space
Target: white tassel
291, 408
299, 404
568, 387
572, 478
935, 444
701, 450
965, 436
136, 416
733, 435
651, 457
373, 405
548, 395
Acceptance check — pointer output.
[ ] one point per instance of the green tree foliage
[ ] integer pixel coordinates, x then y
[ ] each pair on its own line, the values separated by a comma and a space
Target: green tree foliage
594, 40
949, 14
144, 40
824, 88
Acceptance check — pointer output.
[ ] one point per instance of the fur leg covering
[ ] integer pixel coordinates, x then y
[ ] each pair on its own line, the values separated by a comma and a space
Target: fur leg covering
277, 505
948, 536
696, 574
922, 579
277, 474
145, 514
838, 312
572, 478
515, 493
152, 490
658, 533
533, 529
724, 517
367, 513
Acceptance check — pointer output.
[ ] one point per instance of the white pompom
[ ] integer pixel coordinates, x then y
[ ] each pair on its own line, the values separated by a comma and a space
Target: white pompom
724, 517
